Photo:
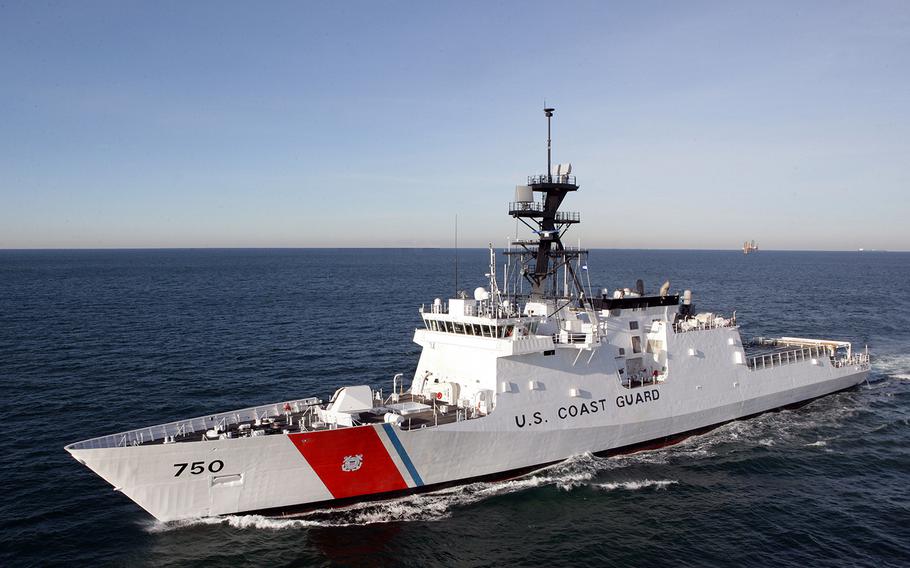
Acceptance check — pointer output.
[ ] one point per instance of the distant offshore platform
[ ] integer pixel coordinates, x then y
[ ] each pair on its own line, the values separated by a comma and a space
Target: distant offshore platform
749, 246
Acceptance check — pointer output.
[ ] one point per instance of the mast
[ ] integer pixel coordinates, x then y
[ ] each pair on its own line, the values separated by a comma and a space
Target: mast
456, 256
549, 113
544, 218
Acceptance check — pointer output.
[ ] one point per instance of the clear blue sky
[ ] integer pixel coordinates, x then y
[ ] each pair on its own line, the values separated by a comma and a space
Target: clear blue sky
689, 124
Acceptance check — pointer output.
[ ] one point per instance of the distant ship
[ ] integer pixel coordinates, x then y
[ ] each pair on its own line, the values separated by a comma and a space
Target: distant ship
525, 372
749, 246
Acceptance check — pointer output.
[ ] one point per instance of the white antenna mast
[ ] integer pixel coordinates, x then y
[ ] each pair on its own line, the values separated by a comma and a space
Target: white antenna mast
494, 287
456, 256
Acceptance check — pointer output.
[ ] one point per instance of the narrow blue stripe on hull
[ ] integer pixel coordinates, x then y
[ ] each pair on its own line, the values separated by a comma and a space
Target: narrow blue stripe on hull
403, 454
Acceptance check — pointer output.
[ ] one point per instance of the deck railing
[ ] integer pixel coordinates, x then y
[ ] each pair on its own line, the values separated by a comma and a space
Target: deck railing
193, 425
547, 178
695, 325
537, 209
571, 337
528, 206
818, 353
855, 359
779, 358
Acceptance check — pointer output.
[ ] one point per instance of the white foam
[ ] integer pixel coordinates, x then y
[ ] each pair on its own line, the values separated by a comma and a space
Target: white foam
635, 485
260, 522
894, 365
819, 443
567, 475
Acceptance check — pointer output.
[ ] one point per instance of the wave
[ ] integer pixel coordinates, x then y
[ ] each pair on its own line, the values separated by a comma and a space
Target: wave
235, 521
893, 365
635, 485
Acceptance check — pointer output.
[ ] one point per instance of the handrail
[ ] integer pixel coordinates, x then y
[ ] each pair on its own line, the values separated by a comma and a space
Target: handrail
199, 424
855, 359
567, 217
817, 352
547, 178
534, 206
767, 360
695, 325
571, 337
540, 207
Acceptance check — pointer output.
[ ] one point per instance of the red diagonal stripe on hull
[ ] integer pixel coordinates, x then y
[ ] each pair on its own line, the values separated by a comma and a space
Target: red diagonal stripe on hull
326, 451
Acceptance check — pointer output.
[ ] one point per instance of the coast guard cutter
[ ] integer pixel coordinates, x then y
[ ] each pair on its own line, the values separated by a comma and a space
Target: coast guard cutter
515, 376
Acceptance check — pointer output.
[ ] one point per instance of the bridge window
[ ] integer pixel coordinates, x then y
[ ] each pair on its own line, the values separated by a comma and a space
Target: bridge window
633, 324
636, 344
481, 330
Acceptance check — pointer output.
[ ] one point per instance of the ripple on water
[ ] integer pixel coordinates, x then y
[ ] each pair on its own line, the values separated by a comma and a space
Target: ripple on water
101, 341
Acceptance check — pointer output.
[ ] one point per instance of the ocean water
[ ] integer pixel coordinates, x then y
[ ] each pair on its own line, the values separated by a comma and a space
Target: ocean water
95, 342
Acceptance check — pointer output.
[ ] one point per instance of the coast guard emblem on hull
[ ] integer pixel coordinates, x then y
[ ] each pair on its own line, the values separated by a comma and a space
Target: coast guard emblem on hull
352, 463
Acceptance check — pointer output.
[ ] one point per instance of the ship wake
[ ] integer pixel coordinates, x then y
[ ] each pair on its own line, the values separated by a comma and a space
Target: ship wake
579, 471
892, 365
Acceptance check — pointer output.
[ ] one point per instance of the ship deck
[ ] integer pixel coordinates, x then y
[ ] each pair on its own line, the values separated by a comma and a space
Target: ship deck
292, 417
305, 420
762, 353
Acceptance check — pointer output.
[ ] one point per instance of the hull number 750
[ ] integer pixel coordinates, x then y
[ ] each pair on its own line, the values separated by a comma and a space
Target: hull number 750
199, 467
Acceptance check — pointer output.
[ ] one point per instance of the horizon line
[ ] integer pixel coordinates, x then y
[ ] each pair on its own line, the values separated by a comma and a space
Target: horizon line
251, 248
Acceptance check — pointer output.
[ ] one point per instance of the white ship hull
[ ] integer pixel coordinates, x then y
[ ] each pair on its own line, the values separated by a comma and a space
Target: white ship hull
279, 474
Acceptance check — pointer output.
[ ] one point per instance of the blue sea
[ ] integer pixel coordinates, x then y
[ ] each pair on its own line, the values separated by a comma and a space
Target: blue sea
96, 342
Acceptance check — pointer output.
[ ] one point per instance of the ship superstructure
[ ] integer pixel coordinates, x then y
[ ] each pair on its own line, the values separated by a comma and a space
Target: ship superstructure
529, 370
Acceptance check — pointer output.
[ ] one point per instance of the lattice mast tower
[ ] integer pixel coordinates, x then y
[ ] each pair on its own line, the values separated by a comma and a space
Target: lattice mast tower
541, 260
